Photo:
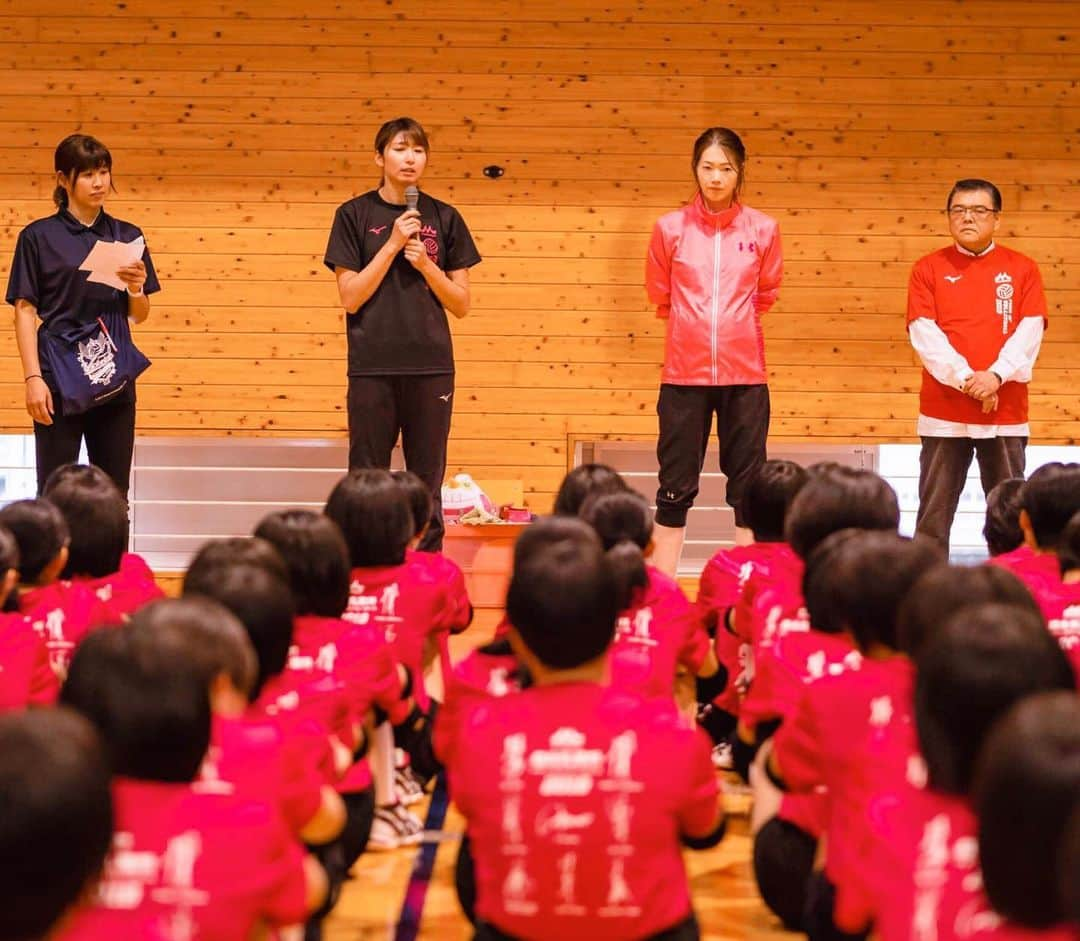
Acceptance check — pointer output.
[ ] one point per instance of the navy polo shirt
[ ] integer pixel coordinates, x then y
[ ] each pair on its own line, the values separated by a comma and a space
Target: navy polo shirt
402, 328
45, 272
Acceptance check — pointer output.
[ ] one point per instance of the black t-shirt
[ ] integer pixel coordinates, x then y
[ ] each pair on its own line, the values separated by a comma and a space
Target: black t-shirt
402, 328
45, 271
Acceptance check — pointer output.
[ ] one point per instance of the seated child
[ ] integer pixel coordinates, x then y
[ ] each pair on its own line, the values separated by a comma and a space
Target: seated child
1001, 530
765, 504
1062, 607
26, 678
918, 856
1026, 787
57, 822
186, 861
584, 481
854, 583
61, 612
656, 631
575, 793
96, 515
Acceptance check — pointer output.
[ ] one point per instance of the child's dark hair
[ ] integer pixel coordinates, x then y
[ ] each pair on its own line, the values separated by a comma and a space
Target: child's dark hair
1051, 497
96, 515
316, 559
583, 481
202, 633
237, 550
1069, 866
855, 580
76, 154
9, 551
1002, 530
57, 820
260, 599
835, 498
1026, 786
152, 710
562, 597
40, 532
624, 524
374, 516
419, 497
945, 589
768, 497
983, 660
1069, 547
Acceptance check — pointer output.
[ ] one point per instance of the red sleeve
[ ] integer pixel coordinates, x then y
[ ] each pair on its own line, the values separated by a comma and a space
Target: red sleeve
743, 618
920, 298
770, 273
283, 886
301, 784
459, 596
701, 806
798, 746
758, 705
658, 272
44, 686
1033, 298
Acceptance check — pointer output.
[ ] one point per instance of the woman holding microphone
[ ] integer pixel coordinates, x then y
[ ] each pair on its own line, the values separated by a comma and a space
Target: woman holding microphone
399, 269
713, 269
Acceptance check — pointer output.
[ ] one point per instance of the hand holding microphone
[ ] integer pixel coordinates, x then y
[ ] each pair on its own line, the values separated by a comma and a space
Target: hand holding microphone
415, 252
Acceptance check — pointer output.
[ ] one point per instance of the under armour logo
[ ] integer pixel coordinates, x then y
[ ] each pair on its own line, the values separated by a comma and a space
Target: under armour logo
953, 278
446, 398
377, 230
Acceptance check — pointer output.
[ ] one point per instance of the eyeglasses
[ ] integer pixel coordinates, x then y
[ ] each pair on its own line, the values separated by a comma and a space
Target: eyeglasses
976, 212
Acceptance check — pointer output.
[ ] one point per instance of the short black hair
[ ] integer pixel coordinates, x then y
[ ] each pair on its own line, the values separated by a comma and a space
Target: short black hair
768, 496
1069, 866
974, 185
581, 482
97, 517
57, 820
562, 599
839, 497
202, 632
316, 559
623, 521
40, 531
374, 516
983, 660
237, 550
1002, 530
1069, 547
1026, 786
152, 711
263, 603
855, 580
945, 589
419, 497
1051, 497
9, 551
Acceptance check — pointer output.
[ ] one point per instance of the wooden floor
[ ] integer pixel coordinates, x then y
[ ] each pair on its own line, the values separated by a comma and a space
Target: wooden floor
721, 880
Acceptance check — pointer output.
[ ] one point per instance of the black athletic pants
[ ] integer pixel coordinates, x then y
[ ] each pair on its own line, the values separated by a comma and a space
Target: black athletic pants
783, 862
109, 430
417, 407
686, 415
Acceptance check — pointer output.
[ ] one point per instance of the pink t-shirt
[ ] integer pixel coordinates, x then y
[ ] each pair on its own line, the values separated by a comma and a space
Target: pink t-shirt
188, 865
1040, 571
657, 633
445, 570
121, 594
410, 606
1062, 611
840, 721
776, 579
62, 613
308, 714
26, 678
257, 760
575, 795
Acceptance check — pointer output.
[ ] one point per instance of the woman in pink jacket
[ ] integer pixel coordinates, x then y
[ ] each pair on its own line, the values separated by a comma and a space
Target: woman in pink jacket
713, 269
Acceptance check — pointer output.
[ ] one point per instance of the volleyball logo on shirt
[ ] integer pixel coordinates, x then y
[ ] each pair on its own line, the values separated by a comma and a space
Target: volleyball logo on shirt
429, 237
1003, 298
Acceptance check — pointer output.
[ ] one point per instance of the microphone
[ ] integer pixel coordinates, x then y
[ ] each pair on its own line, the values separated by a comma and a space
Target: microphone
412, 197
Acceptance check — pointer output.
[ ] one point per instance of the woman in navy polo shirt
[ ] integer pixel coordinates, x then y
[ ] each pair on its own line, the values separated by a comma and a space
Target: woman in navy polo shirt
50, 294
398, 272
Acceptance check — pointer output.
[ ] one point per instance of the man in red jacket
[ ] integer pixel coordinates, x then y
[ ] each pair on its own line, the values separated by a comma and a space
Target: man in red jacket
975, 314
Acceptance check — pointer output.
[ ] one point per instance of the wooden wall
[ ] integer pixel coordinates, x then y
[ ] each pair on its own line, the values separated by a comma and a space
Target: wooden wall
237, 127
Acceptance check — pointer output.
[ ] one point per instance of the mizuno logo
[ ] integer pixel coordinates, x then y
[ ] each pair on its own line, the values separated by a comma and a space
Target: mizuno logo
446, 398
953, 278
377, 230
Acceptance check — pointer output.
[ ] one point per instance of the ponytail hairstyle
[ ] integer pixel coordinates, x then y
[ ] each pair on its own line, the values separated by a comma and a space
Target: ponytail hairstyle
75, 154
624, 524
733, 147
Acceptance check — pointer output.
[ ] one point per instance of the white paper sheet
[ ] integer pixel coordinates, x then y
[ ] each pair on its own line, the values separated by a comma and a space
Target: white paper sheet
106, 257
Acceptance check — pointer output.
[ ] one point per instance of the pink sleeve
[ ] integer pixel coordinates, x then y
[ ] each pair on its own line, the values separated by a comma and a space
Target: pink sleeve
758, 705
301, 785
284, 884
459, 596
798, 746
700, 809
771, 273
743, 618
658, 272
44, 686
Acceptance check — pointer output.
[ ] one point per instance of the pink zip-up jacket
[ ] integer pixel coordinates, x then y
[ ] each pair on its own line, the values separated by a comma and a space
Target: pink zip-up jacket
712, 275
